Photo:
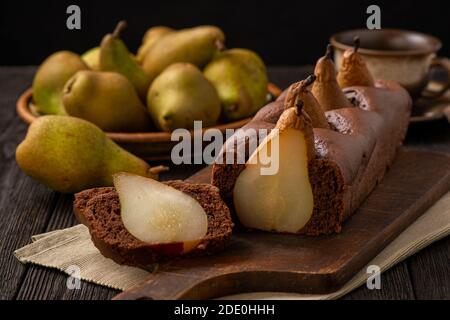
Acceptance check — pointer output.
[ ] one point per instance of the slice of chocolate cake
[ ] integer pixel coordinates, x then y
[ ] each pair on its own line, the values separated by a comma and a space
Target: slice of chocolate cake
99, 210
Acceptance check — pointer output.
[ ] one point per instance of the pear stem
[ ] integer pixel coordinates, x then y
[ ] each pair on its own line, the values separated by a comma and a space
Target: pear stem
219, 45
356, 44
119, 28
329, 53
308, 81
298, 107
158, 169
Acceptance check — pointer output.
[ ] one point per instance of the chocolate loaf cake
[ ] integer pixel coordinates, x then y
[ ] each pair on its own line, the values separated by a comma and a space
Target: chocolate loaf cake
351, 157
99, 210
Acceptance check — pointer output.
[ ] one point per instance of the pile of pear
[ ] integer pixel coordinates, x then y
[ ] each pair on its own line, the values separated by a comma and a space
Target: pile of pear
175, 78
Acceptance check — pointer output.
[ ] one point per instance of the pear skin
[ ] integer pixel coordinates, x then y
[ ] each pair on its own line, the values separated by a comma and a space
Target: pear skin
326, 89
180, 95
115, 57
194, 45
354, 71
150, 37
240, 77
299, 94
68, 155
92, 58
50, 79
106, 99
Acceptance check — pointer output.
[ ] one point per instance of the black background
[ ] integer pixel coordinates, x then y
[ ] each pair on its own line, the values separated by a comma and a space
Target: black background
282, 32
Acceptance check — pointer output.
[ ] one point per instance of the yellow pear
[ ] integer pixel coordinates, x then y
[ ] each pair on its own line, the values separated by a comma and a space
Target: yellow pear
69, 154
115, 57
108, 100
49, 81
326, 89
180, 95
354, 70
150, 38
194, 45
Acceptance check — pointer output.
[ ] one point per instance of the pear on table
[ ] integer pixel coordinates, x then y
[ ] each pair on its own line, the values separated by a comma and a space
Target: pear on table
300, 92
283, 201
158, 214
69, 155
354, 71
326, 89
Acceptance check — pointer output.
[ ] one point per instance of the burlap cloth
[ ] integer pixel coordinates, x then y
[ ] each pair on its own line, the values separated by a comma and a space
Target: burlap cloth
63, 249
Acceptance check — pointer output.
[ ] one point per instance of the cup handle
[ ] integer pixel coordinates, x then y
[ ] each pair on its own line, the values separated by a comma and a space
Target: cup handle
441, 63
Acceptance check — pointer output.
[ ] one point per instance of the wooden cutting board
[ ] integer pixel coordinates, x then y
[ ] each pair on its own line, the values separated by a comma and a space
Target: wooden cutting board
259, 261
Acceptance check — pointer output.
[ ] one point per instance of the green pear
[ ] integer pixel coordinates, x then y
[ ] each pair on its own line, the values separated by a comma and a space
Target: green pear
240, 78
195, 45
92, 58
107, 99
50, 79
68, 154
180, 95
114, 56
150, 37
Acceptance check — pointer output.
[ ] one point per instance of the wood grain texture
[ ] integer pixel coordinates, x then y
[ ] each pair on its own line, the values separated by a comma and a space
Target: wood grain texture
430, 271
27, 208
259, 261
24, 205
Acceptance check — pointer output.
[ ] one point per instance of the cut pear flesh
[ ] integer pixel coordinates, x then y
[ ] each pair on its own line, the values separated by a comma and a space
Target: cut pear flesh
281, 202
158, 214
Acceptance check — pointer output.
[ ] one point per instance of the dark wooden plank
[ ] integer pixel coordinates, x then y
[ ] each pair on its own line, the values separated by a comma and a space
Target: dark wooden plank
24, 205
21, 216
430, 271
259, 261
395, 285
43, 283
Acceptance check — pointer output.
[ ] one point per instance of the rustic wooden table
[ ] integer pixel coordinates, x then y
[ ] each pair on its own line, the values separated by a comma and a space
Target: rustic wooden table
28, 208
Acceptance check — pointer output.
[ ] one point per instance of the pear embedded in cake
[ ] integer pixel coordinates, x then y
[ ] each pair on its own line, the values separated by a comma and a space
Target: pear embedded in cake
281, 202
